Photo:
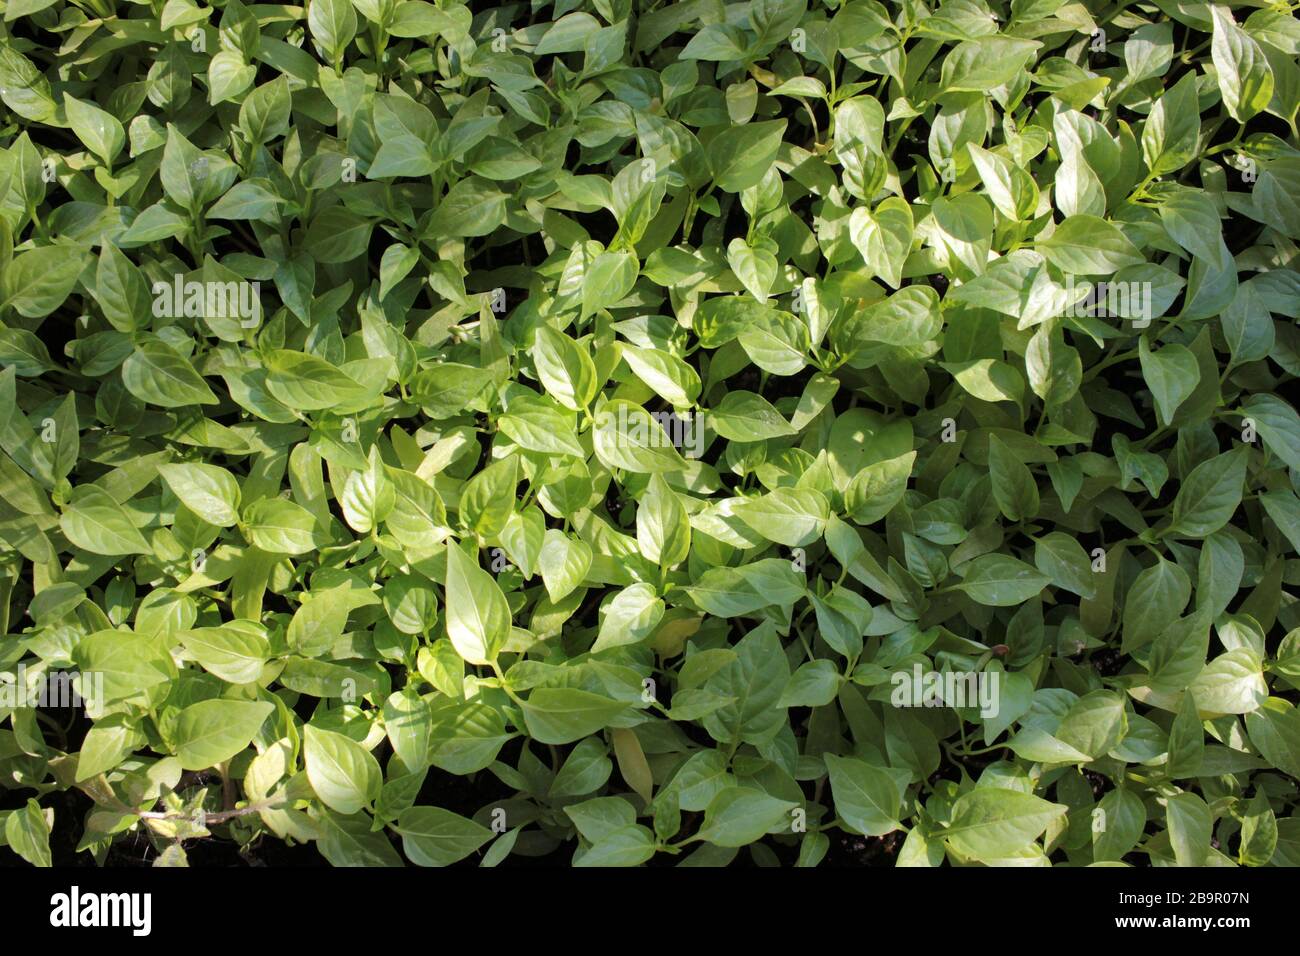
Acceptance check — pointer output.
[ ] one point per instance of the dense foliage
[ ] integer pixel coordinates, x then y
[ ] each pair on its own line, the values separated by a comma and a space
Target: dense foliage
622, 431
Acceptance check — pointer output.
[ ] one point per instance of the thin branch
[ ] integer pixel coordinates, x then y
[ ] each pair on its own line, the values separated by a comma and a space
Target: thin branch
207, 818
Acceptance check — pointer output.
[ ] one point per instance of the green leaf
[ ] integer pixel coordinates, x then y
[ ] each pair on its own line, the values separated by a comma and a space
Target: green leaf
626, 436
1247, 326
1186, 740
1086, 245
368, 496
27, 832
744, 416
1155, 600
107, 744
98, 130
1208, 498
730, 592
25, 352
264, 114
740, 156
788, 516
308, 382
537, 425
1014, 487
23, 88
1232, 683
877, 488
350, 841
473, 207
342, 773
663, 531
1245, 78
1190, 824
754, 681
985, 63
563, 562
1171, 373
155, 373
716, 41
1284, 508
627, 846
37, 281
599, 818
1259, 832
561, 715
1001, 581
1123, 818
432, 836
754, 267
1278, 424
866, 797
564, 369
884, 237
1274, 730
128, 664
1171, 132
629, 617
1066, 564
121, 290
193, 178
738, 816
478, 618
333, 24
338, 235
990, 823
672, 379
235, 652
1094, 725
96, 523
280, 526
212, 731
814, 684
210, 492
488, 499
